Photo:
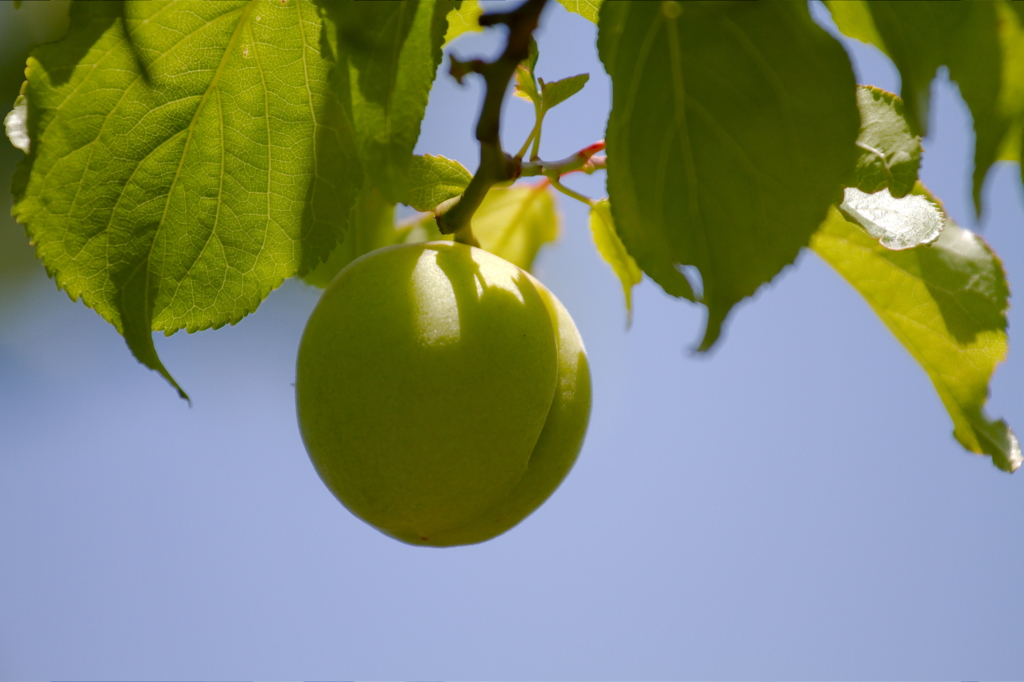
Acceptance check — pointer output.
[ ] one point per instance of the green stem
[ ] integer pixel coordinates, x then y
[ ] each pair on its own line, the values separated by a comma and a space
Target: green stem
556, 183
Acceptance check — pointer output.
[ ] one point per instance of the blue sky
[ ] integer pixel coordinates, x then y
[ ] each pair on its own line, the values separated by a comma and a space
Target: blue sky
791, 506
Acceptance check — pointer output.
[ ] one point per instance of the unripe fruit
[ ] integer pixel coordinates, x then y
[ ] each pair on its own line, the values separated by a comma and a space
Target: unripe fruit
442, 392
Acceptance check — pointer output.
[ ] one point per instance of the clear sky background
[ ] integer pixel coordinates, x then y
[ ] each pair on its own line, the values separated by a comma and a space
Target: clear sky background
791, 506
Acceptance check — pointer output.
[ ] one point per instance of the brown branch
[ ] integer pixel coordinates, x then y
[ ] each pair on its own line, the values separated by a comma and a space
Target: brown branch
495, 165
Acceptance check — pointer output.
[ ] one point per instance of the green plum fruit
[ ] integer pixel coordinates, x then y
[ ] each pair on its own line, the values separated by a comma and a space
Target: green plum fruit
442, 393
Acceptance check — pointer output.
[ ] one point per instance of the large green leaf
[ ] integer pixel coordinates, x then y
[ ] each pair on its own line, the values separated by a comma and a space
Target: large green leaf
393, 48
966, 37
890, 154
185, 159
733, 128
946, 303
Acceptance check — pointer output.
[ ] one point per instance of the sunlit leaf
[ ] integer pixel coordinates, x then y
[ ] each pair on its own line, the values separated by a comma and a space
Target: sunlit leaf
733, 128
393, 48
526, 85
587, 9
947, 304
897, 223
853, 17
177, 177
512, 222
434, 180
614, 253
526, 79
1011, 96
556, 92
890, 154
464, 19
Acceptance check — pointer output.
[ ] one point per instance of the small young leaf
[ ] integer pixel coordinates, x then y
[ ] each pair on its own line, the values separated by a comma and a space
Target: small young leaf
526, 86
434, 180
587, 9
532, 56
614, 253
464, 19
897, 223
553, 94
526, 77
946, 303
890, 154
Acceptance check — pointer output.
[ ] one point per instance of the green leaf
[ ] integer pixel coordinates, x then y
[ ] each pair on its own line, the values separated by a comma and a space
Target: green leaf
965, 36
588, 9
526, 86
553, 94
890, 154
1018, 7
614, 253
897, 224
514, 222
526, 78
1011, 96
532, 56
371, 227
853, 18
947, 305
733, 128
393, 48
434, 180
464, 19
180, 197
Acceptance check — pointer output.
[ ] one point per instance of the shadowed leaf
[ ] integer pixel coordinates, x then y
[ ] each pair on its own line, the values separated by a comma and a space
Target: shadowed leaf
890, 154
732, 130
392, 48
972, 39
371, 227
